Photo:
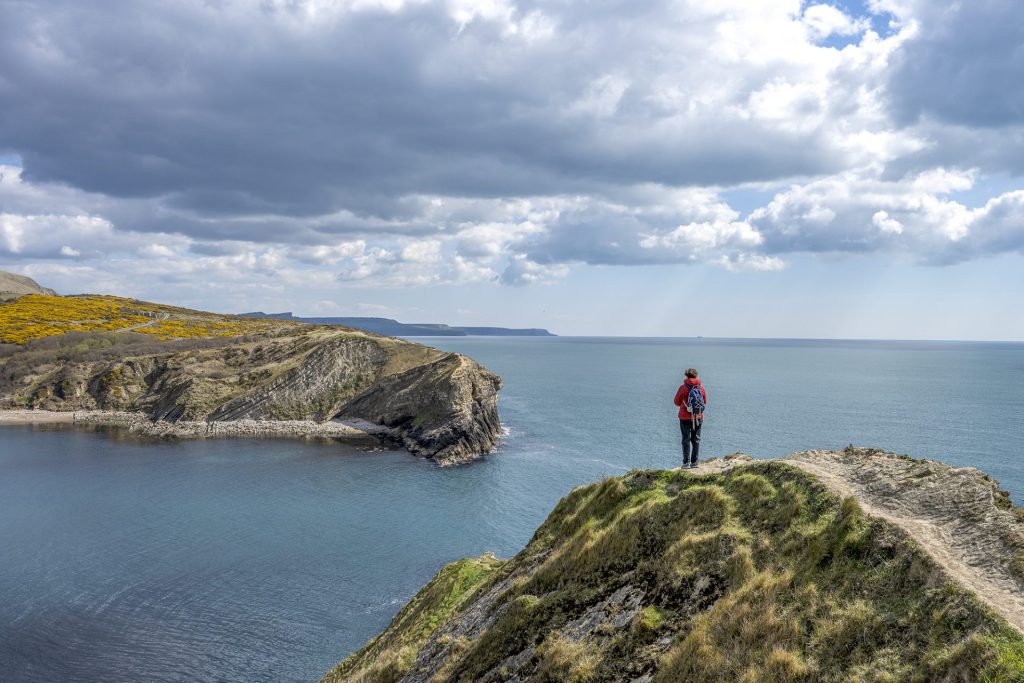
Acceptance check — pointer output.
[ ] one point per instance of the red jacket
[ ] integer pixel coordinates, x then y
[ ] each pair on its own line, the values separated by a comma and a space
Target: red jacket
683, 393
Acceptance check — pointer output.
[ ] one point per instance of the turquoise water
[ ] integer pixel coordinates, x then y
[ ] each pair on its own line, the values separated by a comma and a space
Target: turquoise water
270, 560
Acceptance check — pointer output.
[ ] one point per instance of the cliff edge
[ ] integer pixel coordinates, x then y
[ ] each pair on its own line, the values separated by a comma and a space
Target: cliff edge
824, 566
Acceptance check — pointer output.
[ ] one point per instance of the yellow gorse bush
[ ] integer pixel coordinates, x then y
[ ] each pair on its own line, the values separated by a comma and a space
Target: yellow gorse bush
179, 329
36, 316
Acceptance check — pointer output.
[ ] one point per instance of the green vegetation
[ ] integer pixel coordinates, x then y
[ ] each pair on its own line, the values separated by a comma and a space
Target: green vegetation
385, 658
649, 620
755, 574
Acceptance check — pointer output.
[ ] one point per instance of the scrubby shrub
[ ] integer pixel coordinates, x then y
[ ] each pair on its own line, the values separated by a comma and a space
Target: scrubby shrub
648, 620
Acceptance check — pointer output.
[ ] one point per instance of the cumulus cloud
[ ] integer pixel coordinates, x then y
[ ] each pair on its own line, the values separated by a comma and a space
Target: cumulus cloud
996, 227
698, 237
826, 20
751, 262
420, 142
915, 216
522, 271
883, 222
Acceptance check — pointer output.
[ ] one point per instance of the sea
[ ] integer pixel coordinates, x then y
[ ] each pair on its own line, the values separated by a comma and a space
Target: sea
272, 560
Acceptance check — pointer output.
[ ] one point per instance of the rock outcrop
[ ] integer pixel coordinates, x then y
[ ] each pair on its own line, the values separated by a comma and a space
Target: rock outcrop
445, 411
806, 569
438, 405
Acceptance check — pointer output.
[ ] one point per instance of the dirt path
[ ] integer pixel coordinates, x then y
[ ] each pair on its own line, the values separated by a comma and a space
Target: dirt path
148, 323
949, 511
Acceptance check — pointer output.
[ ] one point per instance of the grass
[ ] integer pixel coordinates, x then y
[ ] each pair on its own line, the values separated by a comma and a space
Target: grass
566, 661
758, 574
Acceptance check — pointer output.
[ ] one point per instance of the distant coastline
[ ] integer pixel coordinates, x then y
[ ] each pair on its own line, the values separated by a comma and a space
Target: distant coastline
394, 328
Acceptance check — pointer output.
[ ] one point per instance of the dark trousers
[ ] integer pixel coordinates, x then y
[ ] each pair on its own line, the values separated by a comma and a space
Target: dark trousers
691, 440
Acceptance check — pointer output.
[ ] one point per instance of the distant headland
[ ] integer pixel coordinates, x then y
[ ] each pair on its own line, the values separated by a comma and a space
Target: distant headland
393, 328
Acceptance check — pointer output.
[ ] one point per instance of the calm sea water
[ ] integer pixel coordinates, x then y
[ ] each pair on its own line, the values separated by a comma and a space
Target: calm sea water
271, 560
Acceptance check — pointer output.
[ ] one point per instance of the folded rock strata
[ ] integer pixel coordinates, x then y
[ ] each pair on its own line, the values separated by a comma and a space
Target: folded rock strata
436, 404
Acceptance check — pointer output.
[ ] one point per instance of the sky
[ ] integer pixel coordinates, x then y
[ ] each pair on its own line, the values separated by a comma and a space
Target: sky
753, 168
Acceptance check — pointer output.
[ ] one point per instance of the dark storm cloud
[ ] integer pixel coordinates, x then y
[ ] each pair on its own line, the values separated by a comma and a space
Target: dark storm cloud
997, 150
230, 110
965, 65
423, 141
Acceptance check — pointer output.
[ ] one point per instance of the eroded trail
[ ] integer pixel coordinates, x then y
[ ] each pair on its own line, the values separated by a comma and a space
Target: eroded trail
162, 317
952, 512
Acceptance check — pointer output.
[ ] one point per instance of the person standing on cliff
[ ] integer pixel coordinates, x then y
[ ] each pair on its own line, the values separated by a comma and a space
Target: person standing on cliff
691, 396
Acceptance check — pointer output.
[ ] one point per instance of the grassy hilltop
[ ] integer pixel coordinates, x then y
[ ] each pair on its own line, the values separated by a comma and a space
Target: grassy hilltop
37, 316
756, 573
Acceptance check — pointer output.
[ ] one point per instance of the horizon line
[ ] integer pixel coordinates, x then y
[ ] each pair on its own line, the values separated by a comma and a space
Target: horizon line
717, 338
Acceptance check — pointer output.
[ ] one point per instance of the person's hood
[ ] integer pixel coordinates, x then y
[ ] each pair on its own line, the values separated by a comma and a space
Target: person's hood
692, 382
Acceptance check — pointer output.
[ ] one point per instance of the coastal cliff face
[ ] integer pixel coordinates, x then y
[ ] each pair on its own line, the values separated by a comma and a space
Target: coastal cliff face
436, 404
742, 571
445, 410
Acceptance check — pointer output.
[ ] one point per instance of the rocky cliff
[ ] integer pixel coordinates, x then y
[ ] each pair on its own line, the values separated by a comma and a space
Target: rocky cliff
850, 566
436, 404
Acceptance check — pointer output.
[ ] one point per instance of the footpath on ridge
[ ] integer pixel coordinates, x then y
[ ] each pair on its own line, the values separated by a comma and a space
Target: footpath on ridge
957, 515
160, 318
